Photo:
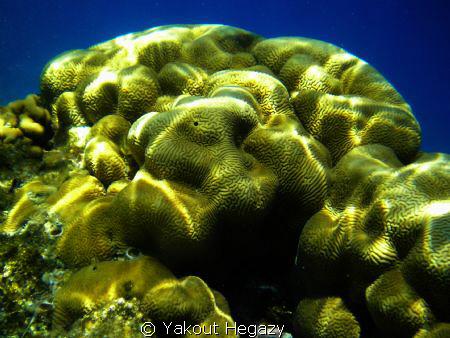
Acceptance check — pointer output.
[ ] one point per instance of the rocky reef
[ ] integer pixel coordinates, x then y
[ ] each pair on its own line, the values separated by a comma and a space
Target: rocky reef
203, 175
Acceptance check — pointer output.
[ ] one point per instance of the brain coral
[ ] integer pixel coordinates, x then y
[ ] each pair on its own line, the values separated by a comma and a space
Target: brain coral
312, 318
163, 297
208, 146
104, 152
26, 120
189, 299
341, 100
204, 163
97, 284
230, 139
28, 200
385, 228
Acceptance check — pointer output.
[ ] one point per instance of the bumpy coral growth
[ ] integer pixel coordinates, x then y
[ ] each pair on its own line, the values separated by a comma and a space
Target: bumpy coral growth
104, 152
28, 200
163, 297
73, 195
189, 299
341, 100
208, 160
312, 318
121, 76
26, 121
226, 139
200, 142
382, 239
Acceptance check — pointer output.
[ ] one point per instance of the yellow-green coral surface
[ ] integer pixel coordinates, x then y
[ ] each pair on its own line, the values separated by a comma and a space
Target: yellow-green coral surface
225, 127
382, 239
214, 150
24, 123
341, 100
163, 298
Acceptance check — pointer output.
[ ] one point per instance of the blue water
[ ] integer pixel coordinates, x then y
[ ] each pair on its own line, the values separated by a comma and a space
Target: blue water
407, 41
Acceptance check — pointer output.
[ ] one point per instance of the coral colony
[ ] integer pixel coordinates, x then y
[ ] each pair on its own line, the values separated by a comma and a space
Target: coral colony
202, 180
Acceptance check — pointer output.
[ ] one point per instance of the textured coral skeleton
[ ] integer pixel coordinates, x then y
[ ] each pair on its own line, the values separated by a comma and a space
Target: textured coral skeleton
194, 144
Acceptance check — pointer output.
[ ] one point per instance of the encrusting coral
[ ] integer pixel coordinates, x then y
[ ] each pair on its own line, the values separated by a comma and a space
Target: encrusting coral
382, 239
210, 147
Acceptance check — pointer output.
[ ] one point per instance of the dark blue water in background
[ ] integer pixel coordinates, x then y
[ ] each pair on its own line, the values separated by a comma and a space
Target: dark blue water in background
407, 41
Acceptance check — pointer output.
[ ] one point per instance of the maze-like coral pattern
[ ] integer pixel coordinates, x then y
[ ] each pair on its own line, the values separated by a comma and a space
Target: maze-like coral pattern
382, 239
163, 297
203, 164
341, 100
207, 146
